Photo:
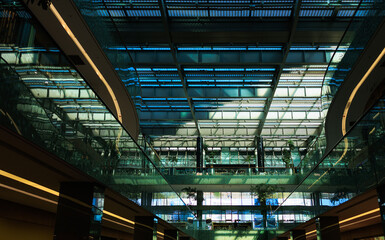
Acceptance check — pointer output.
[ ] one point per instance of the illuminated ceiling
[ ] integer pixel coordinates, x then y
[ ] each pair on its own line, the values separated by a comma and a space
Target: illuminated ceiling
226, 70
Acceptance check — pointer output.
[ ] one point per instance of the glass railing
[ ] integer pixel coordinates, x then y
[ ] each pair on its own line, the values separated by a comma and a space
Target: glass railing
355, 165
352, 44
45, 100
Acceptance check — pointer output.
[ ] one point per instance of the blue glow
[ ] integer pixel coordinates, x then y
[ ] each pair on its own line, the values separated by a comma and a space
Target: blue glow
157, 49
228, 80
229, 49
201, 80
177, 99
260, 69
172, 85
264, 48
303, 48
199, 69
154, 99
26, 70
193, 48
54, 70
229, 69
125, 69
148, 81
144, 69
164, 69
258, 80
199, 85
228, 85
32, 50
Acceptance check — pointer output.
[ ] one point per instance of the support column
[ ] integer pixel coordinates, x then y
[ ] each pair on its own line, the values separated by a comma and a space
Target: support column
146, 199
260, 153
144, 159
316, 200
199, 207
282, 238
79, 211
298, 234
170, 234
328, 228
184, 238
144, 228
199, 154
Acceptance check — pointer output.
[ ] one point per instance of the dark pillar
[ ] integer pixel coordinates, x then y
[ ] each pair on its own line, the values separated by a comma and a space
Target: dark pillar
328, 228
79, 211
298, 234
184, 238
199, 207
282, 238
199, 154
170, 234
146, 199
316, 200
144, 159
144, 228
261, 153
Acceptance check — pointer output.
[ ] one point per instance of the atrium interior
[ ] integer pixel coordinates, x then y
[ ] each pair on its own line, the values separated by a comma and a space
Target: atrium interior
192, 119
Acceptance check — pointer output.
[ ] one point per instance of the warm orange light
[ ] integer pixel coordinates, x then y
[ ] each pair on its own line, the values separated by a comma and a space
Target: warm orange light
27, 182
118, 217
354, 92
311, 232
360, 215
89, 60
363, 220
28, 194
346, 111
124, 225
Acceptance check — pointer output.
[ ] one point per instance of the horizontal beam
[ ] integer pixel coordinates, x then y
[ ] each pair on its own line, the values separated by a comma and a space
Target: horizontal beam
198, 57
177, 92
234, 37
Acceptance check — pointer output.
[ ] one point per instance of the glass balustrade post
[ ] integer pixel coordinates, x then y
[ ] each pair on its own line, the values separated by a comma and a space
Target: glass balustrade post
260, 153
199, 154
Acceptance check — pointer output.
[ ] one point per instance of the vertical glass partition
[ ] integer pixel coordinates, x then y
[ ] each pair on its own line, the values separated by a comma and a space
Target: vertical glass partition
353, 166
45, 100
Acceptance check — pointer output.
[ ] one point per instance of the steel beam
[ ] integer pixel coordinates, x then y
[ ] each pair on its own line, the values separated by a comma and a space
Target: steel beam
223, 57
202, 92
163, 9
295, 17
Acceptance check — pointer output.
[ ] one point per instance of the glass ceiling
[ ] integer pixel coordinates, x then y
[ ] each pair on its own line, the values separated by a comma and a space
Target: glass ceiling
226, 93
229, 101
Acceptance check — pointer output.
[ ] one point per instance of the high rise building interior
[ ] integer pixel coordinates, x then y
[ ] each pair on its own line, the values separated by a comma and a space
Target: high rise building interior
192, 119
